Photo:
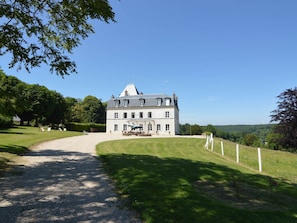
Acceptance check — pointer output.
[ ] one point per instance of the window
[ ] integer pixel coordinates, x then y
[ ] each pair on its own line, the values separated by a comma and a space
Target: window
116, 115
167, 127
126, 102
115, 127
149, 127
167, 101
140, 114
117, 103
159, 101
167, 114
125, 127
158, 127
141, 101
149, 114
133, 115
125, 115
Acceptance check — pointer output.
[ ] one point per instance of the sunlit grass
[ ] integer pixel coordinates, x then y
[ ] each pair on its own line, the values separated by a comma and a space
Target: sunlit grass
276, 163
178, 180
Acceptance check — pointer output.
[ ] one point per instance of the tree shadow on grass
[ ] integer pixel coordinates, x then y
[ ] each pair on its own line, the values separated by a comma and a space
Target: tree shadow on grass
59, 186
179, 190
7, 130
12, 133
14, 149
5, 164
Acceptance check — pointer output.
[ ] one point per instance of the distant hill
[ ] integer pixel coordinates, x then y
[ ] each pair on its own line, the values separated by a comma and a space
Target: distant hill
244, 128
236, 132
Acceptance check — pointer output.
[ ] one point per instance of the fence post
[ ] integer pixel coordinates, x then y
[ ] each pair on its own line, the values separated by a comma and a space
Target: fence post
207, 141
222, 148
211, 138
259, 159
237, 153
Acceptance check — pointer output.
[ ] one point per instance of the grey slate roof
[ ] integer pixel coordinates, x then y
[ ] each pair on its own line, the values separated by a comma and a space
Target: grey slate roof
149, 100
131, 96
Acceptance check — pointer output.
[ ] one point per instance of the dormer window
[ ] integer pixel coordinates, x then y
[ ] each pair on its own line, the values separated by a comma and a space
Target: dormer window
117, 103
126, 102
167, 101
141, 102
159, 101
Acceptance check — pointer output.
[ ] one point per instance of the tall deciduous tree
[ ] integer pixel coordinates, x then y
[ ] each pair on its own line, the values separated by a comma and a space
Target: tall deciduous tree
251, 140
210, 128
94, 110
46, 31
286, 117
58, 108
10, 90
39, 104
70, 103
184, 129
196, 130
77, 112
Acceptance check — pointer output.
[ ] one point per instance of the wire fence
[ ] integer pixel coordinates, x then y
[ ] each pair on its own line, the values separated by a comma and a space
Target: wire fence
273, 162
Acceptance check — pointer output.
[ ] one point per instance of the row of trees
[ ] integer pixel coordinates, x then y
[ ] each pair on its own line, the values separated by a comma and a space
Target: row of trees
35, 103
188, 129
246, 138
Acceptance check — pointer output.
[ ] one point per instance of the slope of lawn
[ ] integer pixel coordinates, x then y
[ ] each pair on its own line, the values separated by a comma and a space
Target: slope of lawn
178, 180
274, 162
16, 141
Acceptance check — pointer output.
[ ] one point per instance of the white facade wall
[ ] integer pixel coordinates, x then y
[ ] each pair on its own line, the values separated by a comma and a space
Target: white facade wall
154, 114
158, 124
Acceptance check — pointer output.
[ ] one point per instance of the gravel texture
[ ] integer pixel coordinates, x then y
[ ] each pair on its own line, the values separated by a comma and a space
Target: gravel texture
62, 181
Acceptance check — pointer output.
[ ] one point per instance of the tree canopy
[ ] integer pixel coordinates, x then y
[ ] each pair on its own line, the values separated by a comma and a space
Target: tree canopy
32, 102
10, 102
36, 32
286, 117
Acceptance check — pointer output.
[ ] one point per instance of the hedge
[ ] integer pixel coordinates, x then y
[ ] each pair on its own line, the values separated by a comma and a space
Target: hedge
89, 127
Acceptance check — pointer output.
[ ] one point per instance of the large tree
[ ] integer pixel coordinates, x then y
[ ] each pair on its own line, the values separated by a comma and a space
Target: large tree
56, 114
251, 139
10, 91
286, 117
94, 110
46, 31
70, 103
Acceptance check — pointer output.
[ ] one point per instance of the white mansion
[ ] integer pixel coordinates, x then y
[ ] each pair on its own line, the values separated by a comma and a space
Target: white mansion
152, 114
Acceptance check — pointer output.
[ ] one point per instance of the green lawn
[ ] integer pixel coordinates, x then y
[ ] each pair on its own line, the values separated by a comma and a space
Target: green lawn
17, 141
279, 164
178, 180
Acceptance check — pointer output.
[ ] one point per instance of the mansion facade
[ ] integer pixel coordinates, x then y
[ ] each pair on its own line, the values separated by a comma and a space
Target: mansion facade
155, 114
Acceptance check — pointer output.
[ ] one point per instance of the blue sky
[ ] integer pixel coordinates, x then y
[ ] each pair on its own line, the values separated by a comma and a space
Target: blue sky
226, 60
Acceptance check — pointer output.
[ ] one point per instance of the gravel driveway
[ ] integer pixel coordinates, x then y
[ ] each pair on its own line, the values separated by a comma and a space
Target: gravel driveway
62, 181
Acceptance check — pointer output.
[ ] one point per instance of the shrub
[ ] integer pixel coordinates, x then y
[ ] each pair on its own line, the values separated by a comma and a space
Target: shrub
92, 127
5, 121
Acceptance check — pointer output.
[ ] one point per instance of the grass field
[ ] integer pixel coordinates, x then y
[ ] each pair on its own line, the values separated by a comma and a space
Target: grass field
178, 180
275, 163
16, 141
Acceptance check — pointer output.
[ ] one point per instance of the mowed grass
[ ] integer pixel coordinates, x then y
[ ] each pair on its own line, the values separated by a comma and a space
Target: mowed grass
178, 180
17, 141
277, 163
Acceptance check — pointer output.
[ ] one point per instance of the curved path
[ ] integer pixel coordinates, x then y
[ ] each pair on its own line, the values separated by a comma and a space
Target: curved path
62, 181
